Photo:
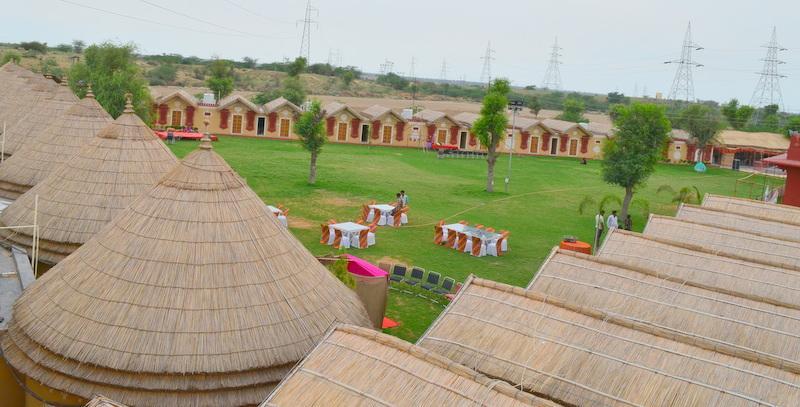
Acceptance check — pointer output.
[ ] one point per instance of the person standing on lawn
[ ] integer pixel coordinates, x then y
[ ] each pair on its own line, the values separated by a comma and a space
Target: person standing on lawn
628, 224
398, 205
599, 225
613, 221
404, 197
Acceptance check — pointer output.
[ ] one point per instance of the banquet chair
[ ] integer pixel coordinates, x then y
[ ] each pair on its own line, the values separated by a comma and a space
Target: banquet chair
337, 239
431, 280
326, 233
365, 212
396, 218
371, 236
451, 240
437, 234
463, 222
490, 230
504, 234
417, 273
398, 273
444, 230
478, 248
462, 242
447, 286
285, 212
479, 226
468, 246
404, 216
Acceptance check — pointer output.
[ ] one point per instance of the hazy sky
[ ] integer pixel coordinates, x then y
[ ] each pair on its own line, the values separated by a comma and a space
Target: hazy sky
607, 45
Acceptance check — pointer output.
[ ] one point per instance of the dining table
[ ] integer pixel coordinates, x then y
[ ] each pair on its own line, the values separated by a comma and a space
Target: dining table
487, 238
279, 214
350, 232
386, 214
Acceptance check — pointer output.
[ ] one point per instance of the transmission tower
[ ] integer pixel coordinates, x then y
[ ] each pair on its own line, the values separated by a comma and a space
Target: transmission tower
768, 89
305, 42
552, 76
683, 84
443, 74
486, 72
387, 67
412, 73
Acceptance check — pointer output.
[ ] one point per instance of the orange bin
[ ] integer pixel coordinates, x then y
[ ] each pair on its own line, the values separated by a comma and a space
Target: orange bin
577, 246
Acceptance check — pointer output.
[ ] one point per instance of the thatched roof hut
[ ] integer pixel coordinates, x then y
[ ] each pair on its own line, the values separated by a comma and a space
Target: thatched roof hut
703, 268
38, 116
744, 223
103, 401
193, 295
757, 209
53, 147
358, 366
731, 243
736, 326
81, 196
581, 356
22, 95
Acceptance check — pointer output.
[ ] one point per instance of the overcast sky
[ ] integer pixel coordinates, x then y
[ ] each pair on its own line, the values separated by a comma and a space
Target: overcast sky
607, 45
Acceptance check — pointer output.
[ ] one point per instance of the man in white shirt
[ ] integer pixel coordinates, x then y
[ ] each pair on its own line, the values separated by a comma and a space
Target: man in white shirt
404, 197
613, 221
599, 225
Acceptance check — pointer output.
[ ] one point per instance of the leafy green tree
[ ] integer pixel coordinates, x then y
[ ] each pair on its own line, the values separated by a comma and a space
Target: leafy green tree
112, 71
64, 47
490, 127
164, 74
609, 202
310, 129
616, 98
572, 110
792, 125
49, 66
250, 63
297, 67
36, 46
78, 46
393, 80
631, 156
770, 110
347, 78
534, 104
220, 77
737, 116
702, 122
11, 56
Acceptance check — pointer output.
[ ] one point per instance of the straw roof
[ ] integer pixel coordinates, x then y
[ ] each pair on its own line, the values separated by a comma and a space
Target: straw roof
581, 356
765, 140
736, 326
757, 209
54, 146
703, 268
357, 366
731, 243
193, 295
21, 99
38, 116
744, 223
102, 401
81, 196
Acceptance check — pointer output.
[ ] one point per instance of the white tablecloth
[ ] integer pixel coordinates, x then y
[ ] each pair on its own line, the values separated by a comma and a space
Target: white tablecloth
386, 210
487, 238
279, 214
349, 230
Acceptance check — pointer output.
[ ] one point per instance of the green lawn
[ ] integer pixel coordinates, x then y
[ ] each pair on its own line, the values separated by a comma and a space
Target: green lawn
540, 209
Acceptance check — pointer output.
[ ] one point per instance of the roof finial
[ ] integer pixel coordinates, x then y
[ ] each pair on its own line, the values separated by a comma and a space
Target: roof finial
205, 141
128, 103
89, 93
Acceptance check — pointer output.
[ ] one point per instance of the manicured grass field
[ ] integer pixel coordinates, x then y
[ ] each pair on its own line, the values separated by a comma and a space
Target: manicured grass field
540, 209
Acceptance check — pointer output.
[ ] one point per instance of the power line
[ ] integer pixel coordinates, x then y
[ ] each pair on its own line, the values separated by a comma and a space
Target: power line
552, 76
683, 84
486, 71
255, 13
386, 67
158, 6
305, 42
768, 89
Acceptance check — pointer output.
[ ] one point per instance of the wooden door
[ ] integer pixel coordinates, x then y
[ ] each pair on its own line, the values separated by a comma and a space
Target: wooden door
573, 147
285, 124
177, 115
441, 136
553, 146
387, 134
342, 134
534, 144
236, 127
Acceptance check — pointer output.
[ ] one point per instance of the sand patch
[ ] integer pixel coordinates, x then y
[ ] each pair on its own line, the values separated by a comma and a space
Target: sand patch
390, 260
300, 223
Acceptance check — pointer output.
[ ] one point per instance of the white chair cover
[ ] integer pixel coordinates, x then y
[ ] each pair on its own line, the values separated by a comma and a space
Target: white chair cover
444, 234
283, 220
370, 238
331, 236
504, 245
468, 247
345, 242
370, 216
403, 219
382, 221
491, 248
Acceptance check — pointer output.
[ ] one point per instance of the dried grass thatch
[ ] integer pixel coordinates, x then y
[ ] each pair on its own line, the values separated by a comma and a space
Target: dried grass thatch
103, 401
81, 196
744, 223
53, 147
357, 366
34, 118
757, 209
584, 357
731, 243
21, 96
736, 326
704, 269
193, 295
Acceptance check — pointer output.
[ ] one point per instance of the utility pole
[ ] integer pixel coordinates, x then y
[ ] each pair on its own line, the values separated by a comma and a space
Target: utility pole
387, 67
515, 106
768, 89
683, 84
305, 42
413, 76
443, 74
552, 76
486, 72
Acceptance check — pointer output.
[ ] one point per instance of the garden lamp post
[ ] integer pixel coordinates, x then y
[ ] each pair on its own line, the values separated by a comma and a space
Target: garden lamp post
515, 106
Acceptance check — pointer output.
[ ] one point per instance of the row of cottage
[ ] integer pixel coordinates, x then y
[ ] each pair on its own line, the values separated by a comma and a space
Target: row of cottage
379, 125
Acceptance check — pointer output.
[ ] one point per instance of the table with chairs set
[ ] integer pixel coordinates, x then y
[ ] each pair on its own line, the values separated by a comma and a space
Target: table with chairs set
385, 214
476, 240
281, 213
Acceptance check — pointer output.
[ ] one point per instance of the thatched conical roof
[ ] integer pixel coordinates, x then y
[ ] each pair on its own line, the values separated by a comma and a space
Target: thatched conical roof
20, 90
32, 119
194, 295
54, 146
81, 196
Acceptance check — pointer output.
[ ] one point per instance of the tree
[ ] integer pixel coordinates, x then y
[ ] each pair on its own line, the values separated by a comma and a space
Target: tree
393, 80
590, 202
311, 131
792, 125
163, 74
64, 47
36, 46
347, 78
616, 98
702, 122
112, 71
572, 110
690, 195
78, 46
49, 66
11, 56
220, 77
534, 104
737, 115
249, 63
491, 125
631, 156
297, 67
292, 90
